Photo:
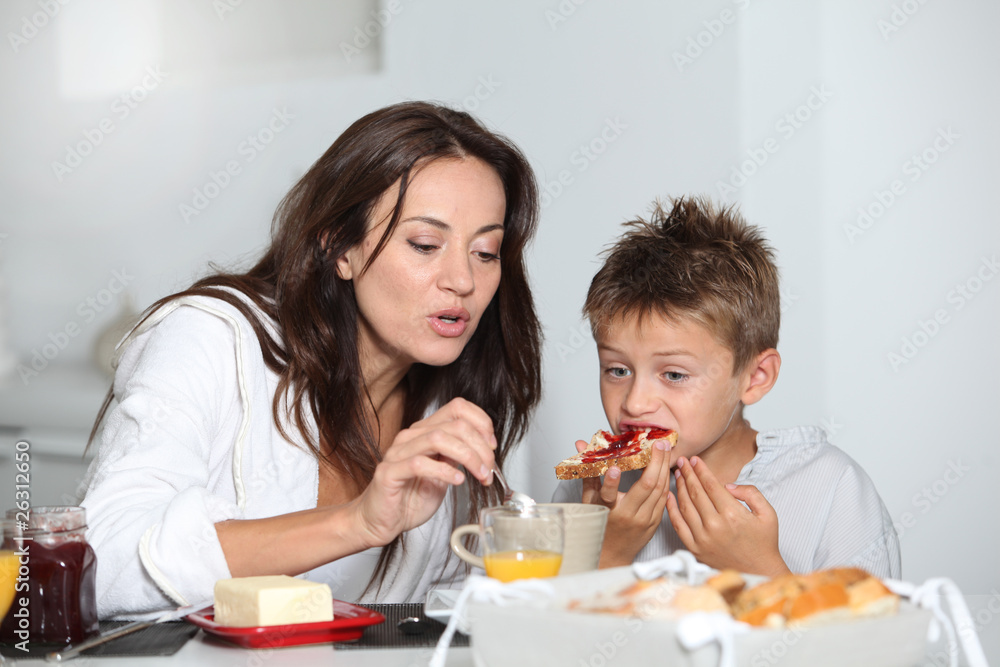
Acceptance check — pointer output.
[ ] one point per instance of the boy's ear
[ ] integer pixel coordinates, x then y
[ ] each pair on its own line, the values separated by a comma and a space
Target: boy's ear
761, 375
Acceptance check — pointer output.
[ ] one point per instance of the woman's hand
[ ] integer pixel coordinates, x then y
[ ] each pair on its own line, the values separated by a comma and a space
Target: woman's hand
420, 465
717, 528
407, 488
635, 515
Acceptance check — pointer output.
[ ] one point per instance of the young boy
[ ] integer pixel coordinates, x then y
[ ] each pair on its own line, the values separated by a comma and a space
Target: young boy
685, 312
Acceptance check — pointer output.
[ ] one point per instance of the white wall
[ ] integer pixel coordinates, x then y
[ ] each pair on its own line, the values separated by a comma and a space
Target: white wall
922, 421
554, 85
859, 288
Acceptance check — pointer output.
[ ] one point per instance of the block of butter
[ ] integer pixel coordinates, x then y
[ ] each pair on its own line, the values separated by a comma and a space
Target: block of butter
272, 600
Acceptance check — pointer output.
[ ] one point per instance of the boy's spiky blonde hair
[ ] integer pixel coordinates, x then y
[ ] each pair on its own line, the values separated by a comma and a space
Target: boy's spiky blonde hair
697, 262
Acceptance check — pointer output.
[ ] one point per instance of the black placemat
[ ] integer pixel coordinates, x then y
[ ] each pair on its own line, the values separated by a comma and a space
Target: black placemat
388, 635
160, 639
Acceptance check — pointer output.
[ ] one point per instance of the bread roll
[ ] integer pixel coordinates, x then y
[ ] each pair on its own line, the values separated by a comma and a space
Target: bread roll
823, 596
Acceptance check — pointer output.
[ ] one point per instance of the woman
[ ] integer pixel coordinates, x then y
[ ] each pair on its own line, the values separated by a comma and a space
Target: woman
309, 416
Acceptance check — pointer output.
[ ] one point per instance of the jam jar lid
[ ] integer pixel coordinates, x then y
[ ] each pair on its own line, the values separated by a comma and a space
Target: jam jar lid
51, 519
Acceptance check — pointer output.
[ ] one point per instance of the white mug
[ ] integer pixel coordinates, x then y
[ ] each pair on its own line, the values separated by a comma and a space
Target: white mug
584, 530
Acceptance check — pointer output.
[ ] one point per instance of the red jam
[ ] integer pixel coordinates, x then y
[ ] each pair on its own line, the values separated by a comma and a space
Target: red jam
624, 444
60, 589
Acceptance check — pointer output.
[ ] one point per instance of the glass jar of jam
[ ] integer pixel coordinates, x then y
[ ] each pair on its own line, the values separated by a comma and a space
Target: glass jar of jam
56, 602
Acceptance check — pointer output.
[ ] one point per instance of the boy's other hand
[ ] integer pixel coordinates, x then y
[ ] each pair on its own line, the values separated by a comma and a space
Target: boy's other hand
635, 515
717, 528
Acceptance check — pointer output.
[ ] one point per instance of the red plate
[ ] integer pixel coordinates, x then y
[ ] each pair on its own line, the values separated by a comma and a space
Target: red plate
349, 621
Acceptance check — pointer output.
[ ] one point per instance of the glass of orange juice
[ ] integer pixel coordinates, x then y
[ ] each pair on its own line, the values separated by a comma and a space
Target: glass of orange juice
9, 563
517, 543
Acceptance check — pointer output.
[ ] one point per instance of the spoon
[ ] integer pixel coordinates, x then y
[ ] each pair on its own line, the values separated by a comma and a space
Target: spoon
510, 496
75, 650
411, 625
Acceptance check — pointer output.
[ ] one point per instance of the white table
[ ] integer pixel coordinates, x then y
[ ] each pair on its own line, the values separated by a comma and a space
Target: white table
202, 652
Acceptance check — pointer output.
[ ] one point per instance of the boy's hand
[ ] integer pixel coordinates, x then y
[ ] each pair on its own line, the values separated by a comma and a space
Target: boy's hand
635, 515
717, 528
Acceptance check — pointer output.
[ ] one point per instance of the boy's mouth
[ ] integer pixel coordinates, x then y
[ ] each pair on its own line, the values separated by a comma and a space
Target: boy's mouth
638, 426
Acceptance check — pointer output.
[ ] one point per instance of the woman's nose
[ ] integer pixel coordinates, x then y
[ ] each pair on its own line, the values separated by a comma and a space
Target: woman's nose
456, 274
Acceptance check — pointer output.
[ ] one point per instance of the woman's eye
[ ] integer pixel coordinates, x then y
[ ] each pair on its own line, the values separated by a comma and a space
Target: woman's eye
674, 376
487, 256
422, 248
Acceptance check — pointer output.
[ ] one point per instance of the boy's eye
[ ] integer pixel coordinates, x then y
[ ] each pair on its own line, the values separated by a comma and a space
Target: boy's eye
619, 372
674, 376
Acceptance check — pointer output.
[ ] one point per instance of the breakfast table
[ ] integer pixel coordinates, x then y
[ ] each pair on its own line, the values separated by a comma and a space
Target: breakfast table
184, 643
204, 652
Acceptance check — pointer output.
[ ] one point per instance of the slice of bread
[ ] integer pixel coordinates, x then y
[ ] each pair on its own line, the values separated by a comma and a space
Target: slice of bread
629, 451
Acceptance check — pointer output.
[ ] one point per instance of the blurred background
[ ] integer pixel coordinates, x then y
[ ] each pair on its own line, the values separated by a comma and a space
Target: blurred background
144, 139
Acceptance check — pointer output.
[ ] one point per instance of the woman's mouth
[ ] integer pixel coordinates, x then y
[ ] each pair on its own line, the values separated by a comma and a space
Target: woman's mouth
450, 323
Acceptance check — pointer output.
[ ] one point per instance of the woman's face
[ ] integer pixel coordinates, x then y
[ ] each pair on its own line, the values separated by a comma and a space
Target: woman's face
422, 298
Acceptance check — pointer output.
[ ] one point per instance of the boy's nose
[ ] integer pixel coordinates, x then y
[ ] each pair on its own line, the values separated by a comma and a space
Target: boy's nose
638, 400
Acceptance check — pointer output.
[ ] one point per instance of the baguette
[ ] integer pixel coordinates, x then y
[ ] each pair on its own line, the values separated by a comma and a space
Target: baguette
628, 451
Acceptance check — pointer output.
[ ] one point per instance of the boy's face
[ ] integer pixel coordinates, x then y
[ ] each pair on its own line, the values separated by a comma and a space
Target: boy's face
669, 374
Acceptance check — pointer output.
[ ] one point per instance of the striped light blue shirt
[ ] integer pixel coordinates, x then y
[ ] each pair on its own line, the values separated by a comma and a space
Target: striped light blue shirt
829, 513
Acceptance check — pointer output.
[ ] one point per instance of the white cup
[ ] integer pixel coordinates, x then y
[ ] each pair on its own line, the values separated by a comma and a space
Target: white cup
584, 535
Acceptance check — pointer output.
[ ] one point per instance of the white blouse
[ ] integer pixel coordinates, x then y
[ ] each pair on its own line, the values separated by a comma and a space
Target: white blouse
192, 442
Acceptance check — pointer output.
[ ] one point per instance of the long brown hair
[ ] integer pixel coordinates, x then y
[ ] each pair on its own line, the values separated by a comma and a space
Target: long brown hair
296, 285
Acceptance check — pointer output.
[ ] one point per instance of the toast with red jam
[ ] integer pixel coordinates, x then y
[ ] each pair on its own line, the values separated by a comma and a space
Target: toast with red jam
628, 451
